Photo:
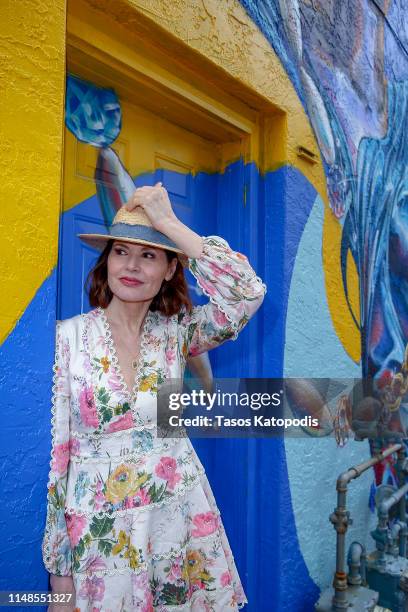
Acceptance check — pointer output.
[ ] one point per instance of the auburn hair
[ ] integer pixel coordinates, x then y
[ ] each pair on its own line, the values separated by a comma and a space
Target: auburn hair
173, 294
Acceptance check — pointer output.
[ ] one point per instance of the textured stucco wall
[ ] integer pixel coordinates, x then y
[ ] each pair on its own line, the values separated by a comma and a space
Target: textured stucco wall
32, 51
26, 357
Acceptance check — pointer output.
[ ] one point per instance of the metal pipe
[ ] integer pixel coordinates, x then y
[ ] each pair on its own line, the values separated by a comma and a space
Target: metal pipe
354, 559
396, 531
393, 499
341, 520
383, 536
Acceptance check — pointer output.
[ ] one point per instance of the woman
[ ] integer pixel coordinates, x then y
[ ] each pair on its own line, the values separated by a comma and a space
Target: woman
131, 520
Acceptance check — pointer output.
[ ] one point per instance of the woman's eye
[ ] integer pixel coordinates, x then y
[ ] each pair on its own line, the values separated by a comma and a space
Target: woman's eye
150, 255
119, 251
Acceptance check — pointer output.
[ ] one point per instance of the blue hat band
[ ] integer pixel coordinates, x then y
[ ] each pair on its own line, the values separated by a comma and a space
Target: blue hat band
142, 232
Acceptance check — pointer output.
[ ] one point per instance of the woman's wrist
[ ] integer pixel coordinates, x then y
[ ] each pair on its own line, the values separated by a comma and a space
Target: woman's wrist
164, 224
185, 238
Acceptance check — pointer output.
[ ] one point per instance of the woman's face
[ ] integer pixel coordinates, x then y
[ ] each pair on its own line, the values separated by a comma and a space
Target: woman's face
136, 271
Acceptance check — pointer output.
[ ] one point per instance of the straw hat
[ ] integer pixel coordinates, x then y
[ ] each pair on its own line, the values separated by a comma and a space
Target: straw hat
134, 227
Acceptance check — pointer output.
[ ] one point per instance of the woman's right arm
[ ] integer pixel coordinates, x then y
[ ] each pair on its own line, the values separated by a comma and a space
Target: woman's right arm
56, 548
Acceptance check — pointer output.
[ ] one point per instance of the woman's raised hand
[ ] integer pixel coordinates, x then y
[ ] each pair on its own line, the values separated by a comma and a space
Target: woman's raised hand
156, 204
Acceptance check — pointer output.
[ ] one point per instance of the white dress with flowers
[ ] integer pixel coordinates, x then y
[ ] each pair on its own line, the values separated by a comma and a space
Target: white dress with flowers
131, 516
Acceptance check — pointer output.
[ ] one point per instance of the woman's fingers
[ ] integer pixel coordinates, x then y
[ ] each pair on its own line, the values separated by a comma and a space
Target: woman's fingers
138, 198
148, 188
155, 202
144, 195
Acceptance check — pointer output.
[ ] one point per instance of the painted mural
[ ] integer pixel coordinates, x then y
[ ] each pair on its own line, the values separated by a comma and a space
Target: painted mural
348, 63
335, 54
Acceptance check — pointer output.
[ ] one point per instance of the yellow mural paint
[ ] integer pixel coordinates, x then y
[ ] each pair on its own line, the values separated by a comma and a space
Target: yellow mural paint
31, 134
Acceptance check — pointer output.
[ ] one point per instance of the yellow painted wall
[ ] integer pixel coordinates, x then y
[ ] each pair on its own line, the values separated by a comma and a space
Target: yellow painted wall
32, 75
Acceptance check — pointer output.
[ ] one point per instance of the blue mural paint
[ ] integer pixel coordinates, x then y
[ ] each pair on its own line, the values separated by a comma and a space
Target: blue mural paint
308, 295
304, 352
26, 377
296, 59
376, 234
92, 113
396, 41
288, 198
340, 176
365, 176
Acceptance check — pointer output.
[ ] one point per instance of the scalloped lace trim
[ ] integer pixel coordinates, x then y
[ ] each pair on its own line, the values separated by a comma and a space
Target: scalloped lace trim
171, 554
213, 301
165, 502
121, 432
132, 395
181, 608
143, 568
55, 368
155, 450
217, 241
46, 546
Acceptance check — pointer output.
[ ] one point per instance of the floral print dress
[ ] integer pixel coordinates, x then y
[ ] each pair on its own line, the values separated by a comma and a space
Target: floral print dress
131, 516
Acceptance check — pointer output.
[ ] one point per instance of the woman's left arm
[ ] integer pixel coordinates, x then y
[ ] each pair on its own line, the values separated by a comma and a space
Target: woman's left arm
234, 290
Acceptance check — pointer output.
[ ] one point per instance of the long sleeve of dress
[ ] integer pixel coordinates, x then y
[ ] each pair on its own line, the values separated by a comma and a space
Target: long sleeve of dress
56, 547
235, 293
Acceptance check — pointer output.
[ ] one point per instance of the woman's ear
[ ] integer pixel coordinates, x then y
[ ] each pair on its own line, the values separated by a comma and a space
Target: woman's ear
171, 269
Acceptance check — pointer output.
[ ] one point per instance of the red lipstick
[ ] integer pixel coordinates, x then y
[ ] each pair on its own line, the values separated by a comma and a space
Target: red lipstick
130, 282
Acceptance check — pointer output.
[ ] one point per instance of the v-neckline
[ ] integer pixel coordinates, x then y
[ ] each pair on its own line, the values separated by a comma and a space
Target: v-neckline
130, 393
